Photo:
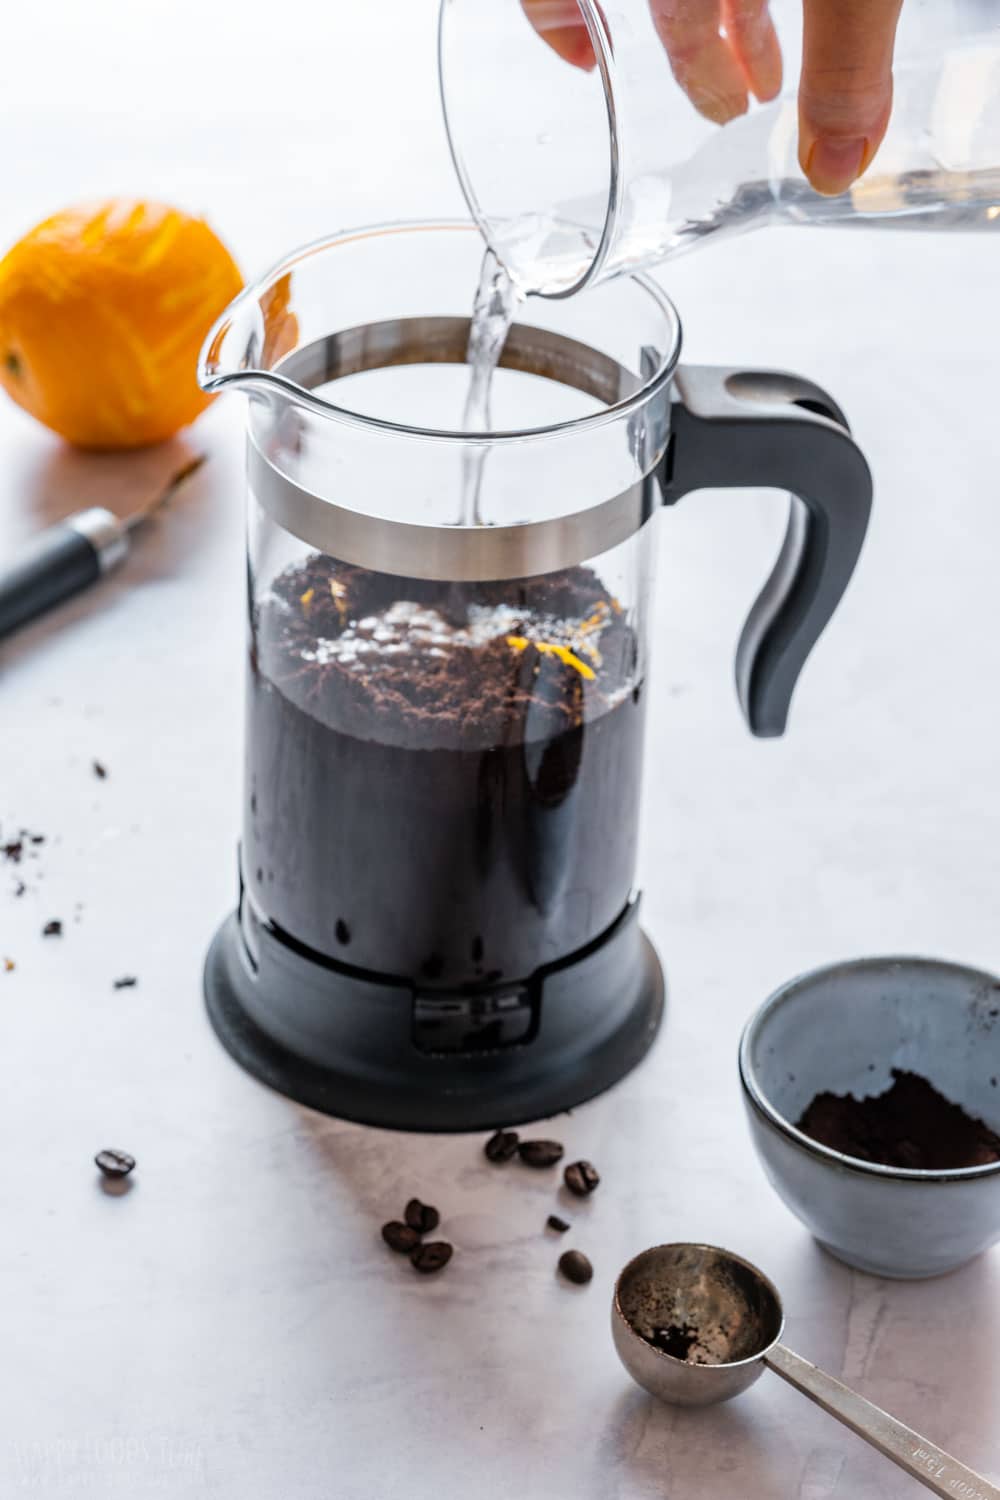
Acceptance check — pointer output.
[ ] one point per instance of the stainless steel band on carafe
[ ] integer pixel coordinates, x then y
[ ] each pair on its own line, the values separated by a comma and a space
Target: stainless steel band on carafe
723, 428
462, 553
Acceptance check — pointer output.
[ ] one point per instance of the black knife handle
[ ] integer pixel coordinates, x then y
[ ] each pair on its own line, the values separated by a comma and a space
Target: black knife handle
58, 563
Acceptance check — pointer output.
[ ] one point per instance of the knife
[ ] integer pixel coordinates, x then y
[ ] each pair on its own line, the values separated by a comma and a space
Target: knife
68, 557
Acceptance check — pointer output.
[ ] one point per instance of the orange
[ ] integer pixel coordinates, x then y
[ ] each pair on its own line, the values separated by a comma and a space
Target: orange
103, 309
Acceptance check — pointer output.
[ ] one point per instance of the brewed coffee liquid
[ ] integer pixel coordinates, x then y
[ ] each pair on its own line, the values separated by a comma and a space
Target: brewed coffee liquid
443, 779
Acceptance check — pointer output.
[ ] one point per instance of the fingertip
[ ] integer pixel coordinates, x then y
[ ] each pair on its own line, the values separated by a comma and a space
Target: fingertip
767, 89
561, 25
580, 52
754, 42
719, 108
833, 163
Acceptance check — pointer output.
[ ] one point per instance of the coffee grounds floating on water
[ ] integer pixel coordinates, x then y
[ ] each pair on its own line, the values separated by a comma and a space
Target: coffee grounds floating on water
447, 664
910, 1125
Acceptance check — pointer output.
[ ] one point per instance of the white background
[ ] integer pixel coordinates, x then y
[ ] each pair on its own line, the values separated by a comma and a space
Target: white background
232, 1327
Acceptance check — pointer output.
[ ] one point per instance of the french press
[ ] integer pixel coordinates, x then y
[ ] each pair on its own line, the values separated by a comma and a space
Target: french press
437, 924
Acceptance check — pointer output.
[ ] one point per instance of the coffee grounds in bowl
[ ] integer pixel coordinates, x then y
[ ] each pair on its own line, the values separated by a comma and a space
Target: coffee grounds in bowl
910, 1125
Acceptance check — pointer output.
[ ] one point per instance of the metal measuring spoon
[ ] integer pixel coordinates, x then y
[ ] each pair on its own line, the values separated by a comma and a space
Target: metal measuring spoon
694, 1325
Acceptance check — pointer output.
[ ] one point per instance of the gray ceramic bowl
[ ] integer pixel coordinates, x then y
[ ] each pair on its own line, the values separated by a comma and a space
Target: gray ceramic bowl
824, 1031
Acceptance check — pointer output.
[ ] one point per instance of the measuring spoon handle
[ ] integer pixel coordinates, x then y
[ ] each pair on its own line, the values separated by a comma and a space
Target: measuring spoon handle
919, 1457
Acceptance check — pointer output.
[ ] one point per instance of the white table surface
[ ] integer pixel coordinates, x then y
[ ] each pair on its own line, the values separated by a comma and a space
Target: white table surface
232, 1326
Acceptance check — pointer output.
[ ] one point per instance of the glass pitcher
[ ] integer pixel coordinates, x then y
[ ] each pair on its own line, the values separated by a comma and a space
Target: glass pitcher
577, 170
438, 926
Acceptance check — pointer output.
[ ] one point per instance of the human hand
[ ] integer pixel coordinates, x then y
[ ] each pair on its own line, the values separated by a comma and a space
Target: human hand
722, 51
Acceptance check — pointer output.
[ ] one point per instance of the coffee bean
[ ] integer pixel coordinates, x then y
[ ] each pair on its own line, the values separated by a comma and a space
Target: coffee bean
52, 929
502, 1146
114, 1163
581, 1177
540, 1153
432, 1257
421, 1217
400, 1236
576, 1267
554, 1222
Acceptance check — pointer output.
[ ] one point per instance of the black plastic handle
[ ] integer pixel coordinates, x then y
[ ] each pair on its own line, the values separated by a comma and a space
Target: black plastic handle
60, 561
757, 428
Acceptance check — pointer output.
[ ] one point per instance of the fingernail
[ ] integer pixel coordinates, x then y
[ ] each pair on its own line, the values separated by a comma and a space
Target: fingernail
833, 163
719, 108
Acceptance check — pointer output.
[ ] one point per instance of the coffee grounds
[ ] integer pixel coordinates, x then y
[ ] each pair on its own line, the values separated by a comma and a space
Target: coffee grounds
677, 1339
459, 666
910, 1125
443, 778
15, 851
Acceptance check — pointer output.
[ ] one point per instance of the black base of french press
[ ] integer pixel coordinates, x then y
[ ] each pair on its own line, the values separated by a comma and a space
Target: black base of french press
368, 1048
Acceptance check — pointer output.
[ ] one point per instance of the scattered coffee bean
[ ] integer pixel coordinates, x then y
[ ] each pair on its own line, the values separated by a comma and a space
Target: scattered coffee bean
400, 1236
581, 1177
101, 772
126, 982
540, 1153
114, 1163
421, 1216
559, 1225
432, 1257
502, 1146
13, 851
52, 929
576, 1267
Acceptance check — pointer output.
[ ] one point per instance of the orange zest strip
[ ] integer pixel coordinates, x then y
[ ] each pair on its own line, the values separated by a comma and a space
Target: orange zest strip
565, 655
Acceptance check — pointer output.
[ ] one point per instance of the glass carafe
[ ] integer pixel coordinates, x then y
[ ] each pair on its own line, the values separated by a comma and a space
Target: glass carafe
579, 170
438, 924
